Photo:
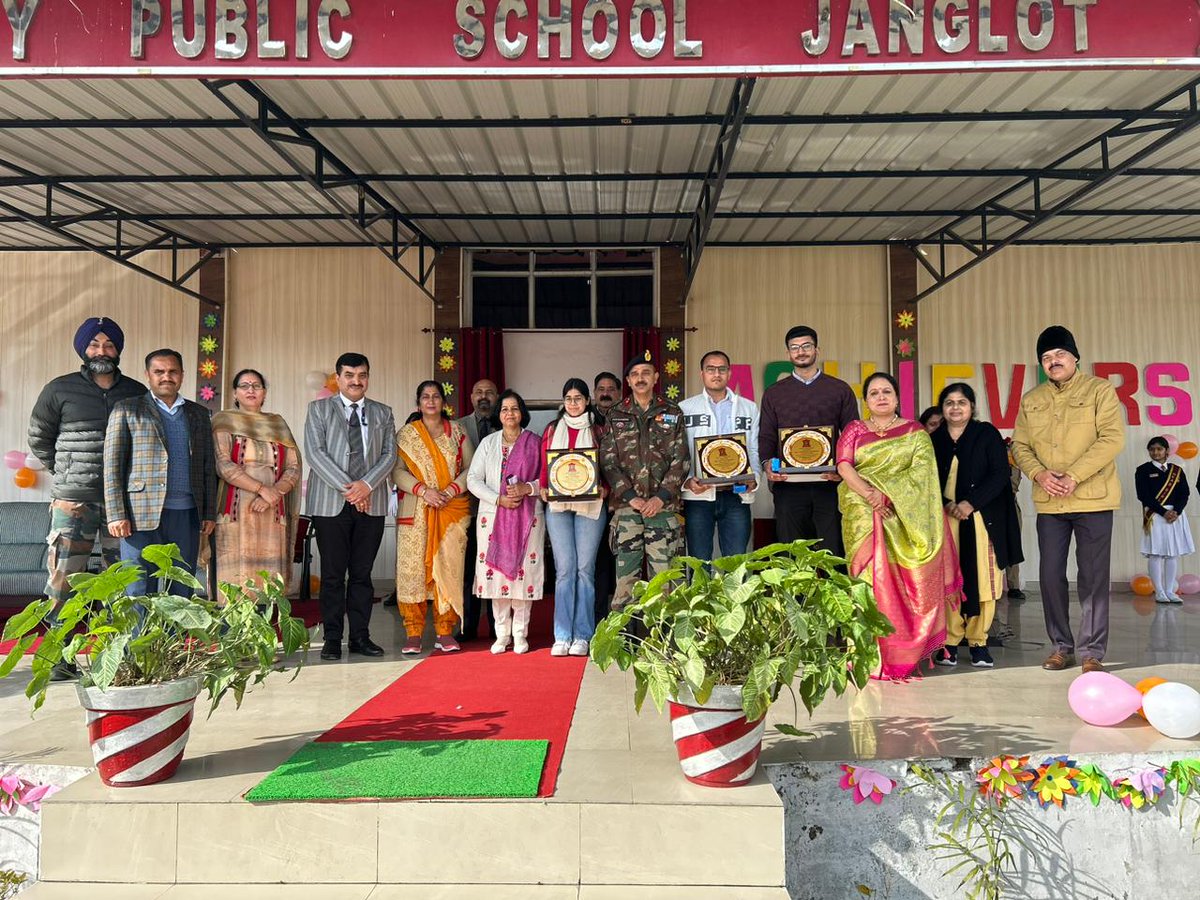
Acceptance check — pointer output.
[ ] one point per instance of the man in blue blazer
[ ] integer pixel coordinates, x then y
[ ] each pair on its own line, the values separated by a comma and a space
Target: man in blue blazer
350, 445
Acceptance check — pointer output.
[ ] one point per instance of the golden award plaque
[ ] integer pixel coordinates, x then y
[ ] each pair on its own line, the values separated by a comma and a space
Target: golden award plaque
807, 450
573, 474
723, 459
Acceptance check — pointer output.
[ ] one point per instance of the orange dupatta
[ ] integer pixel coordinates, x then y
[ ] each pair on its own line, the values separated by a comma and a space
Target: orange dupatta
445, 528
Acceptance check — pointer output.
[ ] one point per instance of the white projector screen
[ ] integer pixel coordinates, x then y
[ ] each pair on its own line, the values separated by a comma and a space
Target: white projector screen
536, 363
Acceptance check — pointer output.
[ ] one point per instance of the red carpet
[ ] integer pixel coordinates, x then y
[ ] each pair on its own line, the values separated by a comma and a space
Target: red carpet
475, 695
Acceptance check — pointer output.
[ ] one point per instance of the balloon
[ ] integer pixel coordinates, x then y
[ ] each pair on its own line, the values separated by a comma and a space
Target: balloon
25, 478
1189, 584
1142, 586
1144, 685
1187, 450
1144, 606
323, 393
14, 459
331, 384
1174, 709
1101, 698
314, 585
1172, 443
32, 462
315, 380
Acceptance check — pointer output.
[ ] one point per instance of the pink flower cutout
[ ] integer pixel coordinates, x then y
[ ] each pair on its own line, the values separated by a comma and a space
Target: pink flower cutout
867, 784
16, 792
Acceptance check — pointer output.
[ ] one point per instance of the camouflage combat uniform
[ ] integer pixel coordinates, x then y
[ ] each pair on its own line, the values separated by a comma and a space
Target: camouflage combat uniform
644, 453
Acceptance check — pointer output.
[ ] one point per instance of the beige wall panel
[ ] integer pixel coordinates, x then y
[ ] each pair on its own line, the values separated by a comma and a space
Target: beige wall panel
295, 311
44, 297
1134, 304
744, 300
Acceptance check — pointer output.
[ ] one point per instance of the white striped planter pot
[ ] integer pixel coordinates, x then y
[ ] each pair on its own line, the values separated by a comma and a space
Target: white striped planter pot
138, 733
717, 745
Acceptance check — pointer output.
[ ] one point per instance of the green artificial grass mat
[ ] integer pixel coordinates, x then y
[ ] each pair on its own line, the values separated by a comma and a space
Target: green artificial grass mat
331, 770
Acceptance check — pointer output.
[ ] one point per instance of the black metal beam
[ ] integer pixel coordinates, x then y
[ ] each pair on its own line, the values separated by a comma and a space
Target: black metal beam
60, 224
714, 181
328, 174
1107, 144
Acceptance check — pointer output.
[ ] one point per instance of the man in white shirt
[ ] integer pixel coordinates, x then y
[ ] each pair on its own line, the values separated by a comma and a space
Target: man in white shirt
719, 410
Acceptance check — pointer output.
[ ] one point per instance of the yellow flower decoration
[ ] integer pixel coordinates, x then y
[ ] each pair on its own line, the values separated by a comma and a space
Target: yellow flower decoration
208, 368
446, 344
446, 363
906, 319
1004, 777
449, 410
673, 344
208, 344
672, 367
673, 392
447, 388
1054, 781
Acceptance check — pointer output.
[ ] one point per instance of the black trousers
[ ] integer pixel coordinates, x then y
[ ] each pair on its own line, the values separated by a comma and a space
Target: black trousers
1093, 551
471, 603
348, 543
809, 511
606, 572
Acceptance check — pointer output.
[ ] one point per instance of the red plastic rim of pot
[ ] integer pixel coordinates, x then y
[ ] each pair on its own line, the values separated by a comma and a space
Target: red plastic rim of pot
717, 745
138, 733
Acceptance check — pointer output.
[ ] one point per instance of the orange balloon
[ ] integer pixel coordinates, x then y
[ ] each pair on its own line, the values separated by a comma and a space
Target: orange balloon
1142, 586
331, 384
25, 477
314, 585
1145, 684
1187, 450
1144, 606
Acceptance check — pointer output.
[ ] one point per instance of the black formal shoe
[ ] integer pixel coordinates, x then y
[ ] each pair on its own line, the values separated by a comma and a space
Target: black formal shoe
366, 647
1016, 594
331, 650
390, 599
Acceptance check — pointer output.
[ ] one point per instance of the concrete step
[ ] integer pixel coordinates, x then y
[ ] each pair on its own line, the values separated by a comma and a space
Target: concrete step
108, 891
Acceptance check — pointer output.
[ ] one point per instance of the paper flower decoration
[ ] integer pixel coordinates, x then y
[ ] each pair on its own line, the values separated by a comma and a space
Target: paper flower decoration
207, 394
905, 320
447, 388
1054, 781
1005, 777
446, 344
1185, 775
672, 367
672, 344
1140, 788
673, 392
1092, 784
17, 793
867, 784
446, 363
208, 344
208, 369
210, 320
905, 348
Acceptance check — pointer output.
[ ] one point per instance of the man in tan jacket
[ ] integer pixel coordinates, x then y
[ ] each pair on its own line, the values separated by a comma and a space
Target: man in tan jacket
1069, 432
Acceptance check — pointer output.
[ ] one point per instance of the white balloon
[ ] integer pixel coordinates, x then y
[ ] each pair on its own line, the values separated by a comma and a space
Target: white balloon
315, 380
32, 462
1174, 709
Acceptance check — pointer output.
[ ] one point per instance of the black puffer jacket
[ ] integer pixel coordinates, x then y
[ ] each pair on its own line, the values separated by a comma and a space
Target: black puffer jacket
66, 432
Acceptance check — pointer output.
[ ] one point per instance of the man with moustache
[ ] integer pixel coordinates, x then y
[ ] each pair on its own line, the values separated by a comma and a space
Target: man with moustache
606, 391
807, 397
644, 455
160, 476
1069, 433
66, 434
478, 425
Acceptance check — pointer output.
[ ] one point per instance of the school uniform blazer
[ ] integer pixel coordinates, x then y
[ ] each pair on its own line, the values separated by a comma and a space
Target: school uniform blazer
327, 452
1149, 480
135, 462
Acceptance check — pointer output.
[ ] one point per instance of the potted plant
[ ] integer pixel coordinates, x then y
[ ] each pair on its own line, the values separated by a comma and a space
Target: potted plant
144, 659
718, 645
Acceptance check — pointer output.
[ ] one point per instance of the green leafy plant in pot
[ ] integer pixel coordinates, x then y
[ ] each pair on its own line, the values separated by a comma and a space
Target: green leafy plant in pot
719, 646
145, 659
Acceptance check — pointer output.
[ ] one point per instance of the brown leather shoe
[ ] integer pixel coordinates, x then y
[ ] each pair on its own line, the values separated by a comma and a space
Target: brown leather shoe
1056, 661
1092, 665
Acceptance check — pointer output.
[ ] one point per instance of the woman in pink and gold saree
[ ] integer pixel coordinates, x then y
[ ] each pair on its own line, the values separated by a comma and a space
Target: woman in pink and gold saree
895, 529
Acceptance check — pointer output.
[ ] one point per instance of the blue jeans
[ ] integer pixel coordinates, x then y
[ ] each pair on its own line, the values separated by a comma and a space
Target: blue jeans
728, 514
575, 540
175, 526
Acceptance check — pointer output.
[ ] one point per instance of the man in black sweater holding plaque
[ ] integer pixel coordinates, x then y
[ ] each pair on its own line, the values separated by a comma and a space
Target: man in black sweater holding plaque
806, 506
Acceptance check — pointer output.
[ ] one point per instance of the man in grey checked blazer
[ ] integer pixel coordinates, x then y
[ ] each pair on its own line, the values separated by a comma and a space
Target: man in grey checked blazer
350, 445
160, 476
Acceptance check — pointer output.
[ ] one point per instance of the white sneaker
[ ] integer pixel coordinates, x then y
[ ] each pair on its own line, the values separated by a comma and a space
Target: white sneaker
500, 645
560, 648
520, 645
579, 648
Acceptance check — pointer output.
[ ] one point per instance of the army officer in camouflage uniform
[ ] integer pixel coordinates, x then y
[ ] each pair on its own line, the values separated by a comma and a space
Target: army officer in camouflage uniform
644, 455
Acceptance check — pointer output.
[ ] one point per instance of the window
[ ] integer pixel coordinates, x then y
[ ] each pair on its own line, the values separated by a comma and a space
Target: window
610, 288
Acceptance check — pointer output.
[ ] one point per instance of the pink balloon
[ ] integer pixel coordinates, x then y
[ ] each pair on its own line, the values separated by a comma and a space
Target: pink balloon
1172, 443
14, 459
1189, 584
1101, 698
323, 393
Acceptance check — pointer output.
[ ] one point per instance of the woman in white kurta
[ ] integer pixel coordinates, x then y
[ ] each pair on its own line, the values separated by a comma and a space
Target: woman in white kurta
510, 526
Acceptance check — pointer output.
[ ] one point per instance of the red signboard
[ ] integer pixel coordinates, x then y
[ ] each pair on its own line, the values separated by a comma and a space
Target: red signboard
455, 38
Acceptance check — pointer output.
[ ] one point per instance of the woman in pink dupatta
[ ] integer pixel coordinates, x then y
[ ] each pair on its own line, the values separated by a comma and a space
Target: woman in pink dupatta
895, 529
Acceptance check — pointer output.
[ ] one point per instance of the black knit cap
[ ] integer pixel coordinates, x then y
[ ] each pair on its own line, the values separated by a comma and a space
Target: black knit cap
1056, 337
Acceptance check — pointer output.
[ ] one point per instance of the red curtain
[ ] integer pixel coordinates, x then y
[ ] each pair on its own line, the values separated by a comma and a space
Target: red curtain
482, 355
635, 342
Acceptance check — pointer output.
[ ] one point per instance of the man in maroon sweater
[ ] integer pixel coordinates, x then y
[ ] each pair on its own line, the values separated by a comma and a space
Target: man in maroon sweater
806, 397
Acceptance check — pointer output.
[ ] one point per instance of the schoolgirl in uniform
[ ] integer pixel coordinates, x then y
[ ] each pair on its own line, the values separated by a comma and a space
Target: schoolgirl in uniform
1163, 492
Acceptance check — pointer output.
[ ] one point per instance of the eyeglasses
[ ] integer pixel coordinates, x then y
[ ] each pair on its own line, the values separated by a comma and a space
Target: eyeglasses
248, 386
716, 370
804, 348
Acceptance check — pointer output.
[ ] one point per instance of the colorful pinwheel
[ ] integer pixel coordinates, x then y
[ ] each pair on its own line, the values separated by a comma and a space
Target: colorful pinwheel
1054, 781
